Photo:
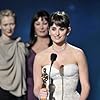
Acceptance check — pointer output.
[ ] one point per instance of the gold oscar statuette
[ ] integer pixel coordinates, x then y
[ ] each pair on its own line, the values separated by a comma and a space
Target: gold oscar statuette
44, 79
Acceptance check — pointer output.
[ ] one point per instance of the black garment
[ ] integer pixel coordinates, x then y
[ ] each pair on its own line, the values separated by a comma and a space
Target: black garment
5, 95
22, 98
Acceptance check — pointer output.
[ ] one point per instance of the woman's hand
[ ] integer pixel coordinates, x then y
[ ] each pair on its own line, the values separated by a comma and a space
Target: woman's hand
43, 94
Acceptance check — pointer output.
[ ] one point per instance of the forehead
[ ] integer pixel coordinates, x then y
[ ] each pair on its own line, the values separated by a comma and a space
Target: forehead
7, 19
54, 25
41, 19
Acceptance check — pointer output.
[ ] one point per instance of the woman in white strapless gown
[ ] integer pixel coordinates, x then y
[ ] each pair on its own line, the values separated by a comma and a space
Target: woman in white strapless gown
66, 84
68, 67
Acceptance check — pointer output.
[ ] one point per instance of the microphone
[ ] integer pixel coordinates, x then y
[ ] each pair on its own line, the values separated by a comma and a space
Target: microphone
61, 70
51, 85
53, 58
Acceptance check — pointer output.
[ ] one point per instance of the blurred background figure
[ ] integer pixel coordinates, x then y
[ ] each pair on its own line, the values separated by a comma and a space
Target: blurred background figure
39, 40
12, 59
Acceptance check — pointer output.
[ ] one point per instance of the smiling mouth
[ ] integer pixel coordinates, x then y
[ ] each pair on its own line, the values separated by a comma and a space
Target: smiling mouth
57, 37
9, 32
42, 31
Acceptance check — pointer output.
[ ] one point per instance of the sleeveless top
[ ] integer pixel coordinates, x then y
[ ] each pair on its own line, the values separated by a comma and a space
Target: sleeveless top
65, 82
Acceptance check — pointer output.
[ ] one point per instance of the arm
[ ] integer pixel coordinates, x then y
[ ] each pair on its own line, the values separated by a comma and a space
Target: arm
83, 74
37, 76
37, 73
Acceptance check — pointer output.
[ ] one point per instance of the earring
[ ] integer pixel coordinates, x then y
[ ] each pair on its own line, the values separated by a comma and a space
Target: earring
35, 35
68, 33
49, 32
69, 29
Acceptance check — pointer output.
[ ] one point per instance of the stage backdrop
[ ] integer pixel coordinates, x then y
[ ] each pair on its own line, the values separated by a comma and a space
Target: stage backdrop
85, 23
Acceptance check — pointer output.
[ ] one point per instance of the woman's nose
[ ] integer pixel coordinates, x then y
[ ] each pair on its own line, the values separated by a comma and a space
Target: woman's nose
57, 33
42, 26
9, 27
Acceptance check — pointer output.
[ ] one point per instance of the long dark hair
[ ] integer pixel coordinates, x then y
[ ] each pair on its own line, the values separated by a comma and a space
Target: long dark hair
44, 15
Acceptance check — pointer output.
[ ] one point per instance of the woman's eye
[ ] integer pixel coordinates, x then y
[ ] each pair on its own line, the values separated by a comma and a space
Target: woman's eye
45, 23
12, 23
37, 24
5, 24
62, 29
53, 29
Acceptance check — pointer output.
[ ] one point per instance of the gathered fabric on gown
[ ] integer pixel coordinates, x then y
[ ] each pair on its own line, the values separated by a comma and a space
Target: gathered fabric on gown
12, 66
65, 86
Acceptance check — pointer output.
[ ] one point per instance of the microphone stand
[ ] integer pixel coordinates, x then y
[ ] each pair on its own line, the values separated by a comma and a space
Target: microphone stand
62, 74
51, 90
51, 85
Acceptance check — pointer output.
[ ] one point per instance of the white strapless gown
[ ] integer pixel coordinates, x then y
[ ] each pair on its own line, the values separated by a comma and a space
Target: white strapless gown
69, 82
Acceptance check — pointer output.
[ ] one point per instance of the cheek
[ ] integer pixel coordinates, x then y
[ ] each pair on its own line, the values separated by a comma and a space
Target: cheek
46, 26
3, 28
36, 29
13, 27
64, 33
51, 32
63, 37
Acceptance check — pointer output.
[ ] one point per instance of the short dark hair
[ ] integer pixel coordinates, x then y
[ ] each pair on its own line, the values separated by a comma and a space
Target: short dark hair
60, 18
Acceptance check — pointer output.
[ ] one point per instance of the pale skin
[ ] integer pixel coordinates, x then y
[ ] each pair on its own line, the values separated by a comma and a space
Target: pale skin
64, 51
7, 26
41, 29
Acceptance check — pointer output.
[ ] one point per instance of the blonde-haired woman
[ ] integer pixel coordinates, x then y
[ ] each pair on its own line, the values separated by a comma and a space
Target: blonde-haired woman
12, 59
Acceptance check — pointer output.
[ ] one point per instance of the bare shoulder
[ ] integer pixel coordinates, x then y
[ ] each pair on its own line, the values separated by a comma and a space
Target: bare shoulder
42, 56
78, 52
43, 53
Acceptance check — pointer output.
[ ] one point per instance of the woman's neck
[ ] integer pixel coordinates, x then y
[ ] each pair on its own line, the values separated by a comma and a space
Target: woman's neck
41, 44
59, 48
42, 39
4, 37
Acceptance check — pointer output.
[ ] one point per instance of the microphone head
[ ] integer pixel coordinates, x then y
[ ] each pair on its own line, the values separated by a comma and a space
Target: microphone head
53, 57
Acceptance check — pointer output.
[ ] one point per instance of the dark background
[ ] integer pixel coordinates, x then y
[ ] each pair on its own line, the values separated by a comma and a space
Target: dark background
85, 23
